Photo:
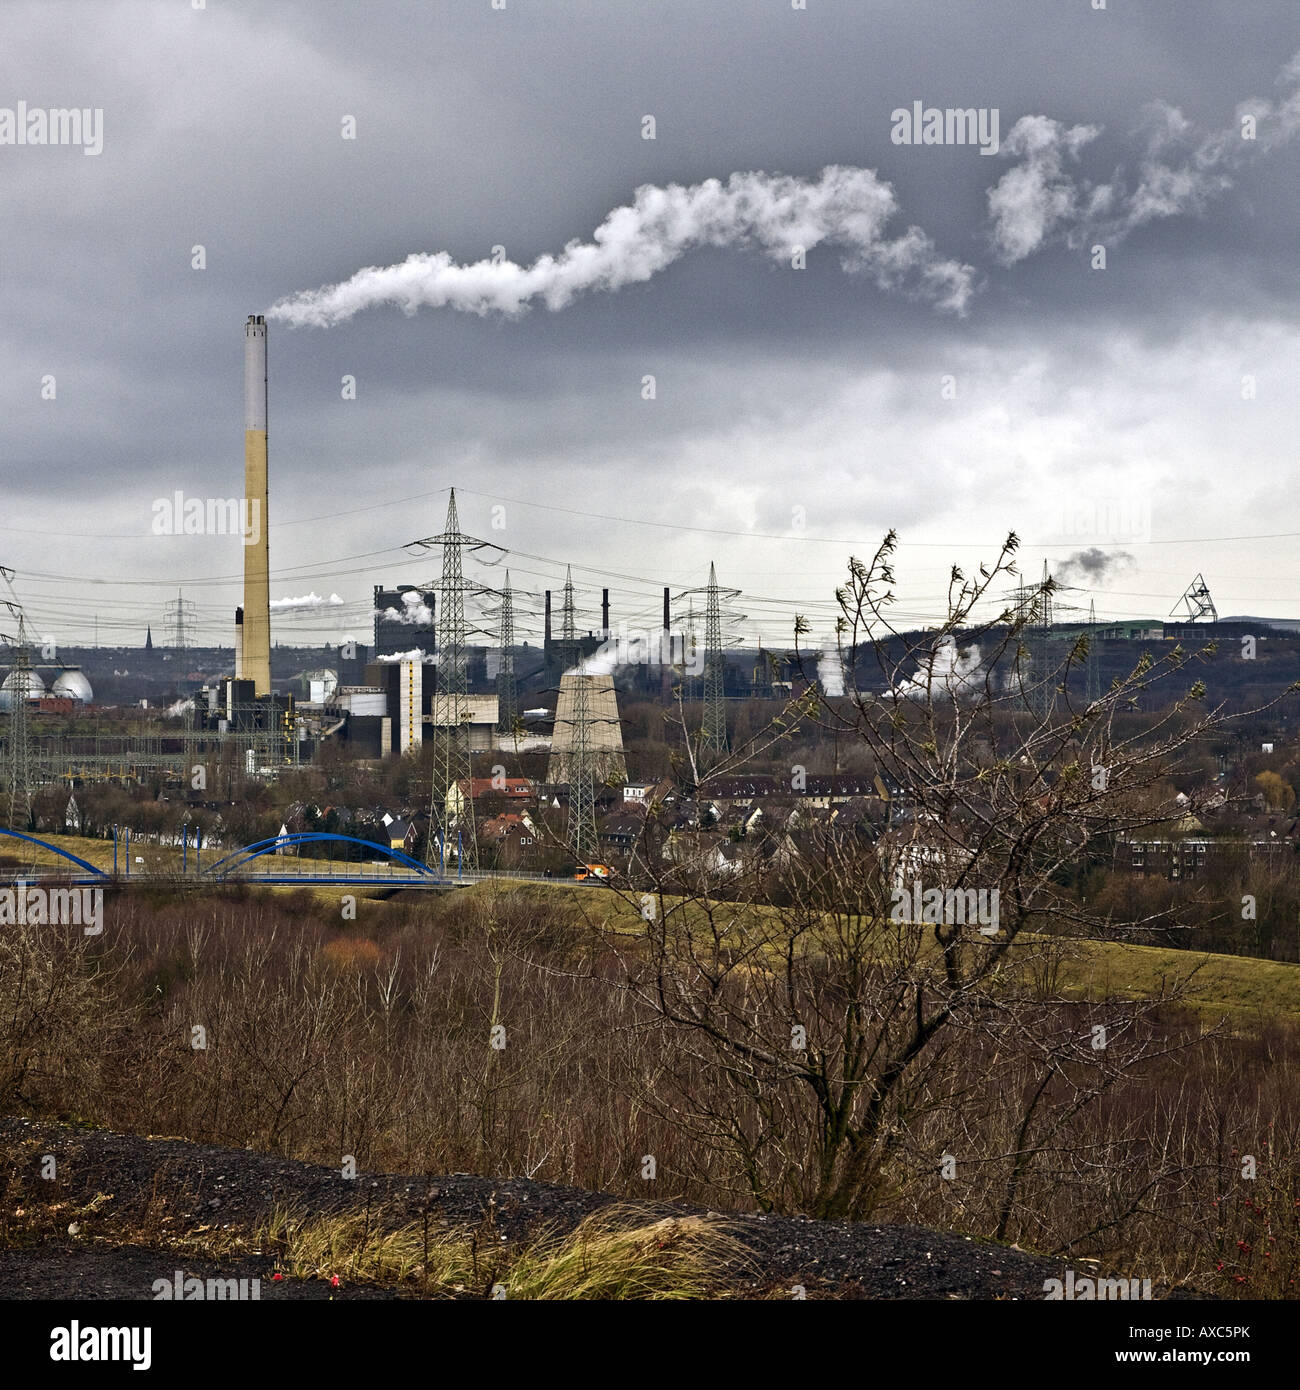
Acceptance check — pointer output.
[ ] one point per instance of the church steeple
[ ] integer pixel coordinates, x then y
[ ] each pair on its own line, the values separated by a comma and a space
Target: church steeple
148, 638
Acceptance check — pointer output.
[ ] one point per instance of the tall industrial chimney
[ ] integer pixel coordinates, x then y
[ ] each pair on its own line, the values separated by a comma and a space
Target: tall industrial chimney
604, 614
239, 644
257, 575
546, 631
666, 649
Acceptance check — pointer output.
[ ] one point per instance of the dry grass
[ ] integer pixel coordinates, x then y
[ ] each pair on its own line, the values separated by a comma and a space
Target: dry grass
327, 1038
1241, 988
1235, 987
609, 1258
614, 1254
355, 1247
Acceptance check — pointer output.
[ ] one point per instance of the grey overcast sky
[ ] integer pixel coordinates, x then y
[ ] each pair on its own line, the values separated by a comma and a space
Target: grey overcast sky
1143, 412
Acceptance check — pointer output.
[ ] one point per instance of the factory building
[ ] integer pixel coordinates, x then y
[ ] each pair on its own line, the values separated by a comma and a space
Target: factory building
404, 620
389, 713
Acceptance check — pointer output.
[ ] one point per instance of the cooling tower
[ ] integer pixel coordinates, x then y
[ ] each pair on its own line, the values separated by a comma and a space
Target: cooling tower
604, 732
256, 665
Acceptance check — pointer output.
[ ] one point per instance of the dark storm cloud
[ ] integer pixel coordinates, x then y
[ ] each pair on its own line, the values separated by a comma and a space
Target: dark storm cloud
1093, 566
522, 128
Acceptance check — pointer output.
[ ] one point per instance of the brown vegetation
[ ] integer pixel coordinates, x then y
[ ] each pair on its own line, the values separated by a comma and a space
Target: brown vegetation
324, 1041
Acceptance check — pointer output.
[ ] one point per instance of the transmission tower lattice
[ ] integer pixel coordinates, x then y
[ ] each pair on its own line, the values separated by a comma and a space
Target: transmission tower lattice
507, 691
452, 797
582, 776
19, 733
1092, 674
1044, 683
568, 648
1034, 601
180, 618
690, 645
713, 734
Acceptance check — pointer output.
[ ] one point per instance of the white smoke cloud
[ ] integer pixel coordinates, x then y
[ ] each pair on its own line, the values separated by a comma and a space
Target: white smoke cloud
628, 648
604, 661
830, 667
177, 710
415, 654
286, 605
414, 612
635, 647
949, 673
1032, 200
1180, 171
845, 207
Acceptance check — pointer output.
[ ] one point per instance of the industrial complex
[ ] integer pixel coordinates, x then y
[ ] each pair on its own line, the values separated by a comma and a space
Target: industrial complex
430, 676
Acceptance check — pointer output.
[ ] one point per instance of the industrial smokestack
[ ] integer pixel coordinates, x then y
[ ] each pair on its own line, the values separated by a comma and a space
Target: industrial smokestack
256, 665
239, 644
666, 649
604, 614
546, 639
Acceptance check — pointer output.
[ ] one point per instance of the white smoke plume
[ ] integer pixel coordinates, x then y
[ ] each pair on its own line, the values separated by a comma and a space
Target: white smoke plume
830, 667
1036, 197
626, 649
950, 673
1180, 170
846, 207
635, 647
415, 654
307, 601
414, 612
177, 710
604, 661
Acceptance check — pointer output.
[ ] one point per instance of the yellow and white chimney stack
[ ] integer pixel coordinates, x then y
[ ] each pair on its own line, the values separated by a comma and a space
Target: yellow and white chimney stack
256, 662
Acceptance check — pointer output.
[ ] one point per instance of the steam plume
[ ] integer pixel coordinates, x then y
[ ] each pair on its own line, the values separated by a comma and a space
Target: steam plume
830, 666
844, 207
948, 673
307, 601
414, 612
1180, 170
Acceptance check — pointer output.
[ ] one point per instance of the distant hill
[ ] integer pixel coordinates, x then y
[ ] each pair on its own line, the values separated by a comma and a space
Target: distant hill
1282, 624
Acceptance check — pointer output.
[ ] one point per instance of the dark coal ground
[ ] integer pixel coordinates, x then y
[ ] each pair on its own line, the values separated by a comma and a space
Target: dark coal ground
179, 1188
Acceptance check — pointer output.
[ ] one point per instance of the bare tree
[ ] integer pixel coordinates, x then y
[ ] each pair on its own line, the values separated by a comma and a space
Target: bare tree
824, 1007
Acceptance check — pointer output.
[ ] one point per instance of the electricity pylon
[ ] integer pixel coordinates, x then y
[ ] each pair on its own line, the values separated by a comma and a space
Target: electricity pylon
507, 692
1037, 685
569, 647
19, 749
452, 796
180, 617
713, 734
582, 776
1045, 688
1092, 676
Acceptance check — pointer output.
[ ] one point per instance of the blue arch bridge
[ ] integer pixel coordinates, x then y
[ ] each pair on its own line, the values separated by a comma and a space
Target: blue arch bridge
272, 861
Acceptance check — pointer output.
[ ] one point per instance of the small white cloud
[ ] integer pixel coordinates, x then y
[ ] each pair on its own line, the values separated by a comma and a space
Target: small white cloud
307, 601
